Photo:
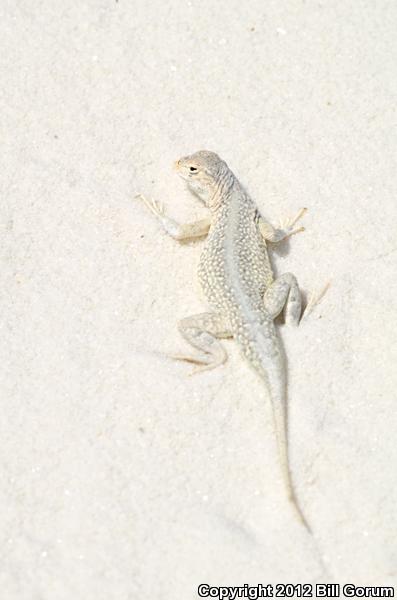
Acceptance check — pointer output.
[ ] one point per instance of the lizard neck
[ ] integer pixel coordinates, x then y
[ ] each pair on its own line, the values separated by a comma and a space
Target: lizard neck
222, 191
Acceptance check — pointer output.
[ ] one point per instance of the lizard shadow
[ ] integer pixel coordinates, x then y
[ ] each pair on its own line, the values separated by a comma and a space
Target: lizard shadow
281, 249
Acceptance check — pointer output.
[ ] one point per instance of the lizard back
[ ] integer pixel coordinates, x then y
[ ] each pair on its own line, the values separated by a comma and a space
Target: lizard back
234, 269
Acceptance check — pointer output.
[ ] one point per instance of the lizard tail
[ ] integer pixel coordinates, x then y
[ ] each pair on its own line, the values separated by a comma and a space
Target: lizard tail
280, 425
270, 363
265, 355
278, 398
263, 352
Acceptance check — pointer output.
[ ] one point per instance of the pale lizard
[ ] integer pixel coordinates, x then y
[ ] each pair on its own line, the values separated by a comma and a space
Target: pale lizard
237, 279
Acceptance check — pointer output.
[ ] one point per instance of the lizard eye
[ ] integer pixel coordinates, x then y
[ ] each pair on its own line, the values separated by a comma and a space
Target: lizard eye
193, 169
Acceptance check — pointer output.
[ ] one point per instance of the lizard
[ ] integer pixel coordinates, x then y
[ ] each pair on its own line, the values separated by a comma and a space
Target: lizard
237, 279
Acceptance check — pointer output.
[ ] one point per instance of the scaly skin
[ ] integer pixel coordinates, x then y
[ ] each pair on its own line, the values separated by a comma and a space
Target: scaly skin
237, 279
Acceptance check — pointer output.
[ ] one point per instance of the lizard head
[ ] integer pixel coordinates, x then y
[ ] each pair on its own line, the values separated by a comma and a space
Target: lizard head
202, 172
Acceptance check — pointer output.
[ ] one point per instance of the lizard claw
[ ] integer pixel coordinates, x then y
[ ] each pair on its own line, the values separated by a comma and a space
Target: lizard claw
186, 358
288, 224
202, 362
202, 368
157, 208
290, 221
315, 299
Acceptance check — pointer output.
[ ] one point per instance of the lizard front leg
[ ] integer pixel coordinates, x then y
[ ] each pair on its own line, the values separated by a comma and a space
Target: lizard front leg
285, 229
201, 331
179, 231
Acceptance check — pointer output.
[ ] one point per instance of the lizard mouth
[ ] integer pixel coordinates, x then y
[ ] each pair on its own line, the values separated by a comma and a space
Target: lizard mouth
178, 167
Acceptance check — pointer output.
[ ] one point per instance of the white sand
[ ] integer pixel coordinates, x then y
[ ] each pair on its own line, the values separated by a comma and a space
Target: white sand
122, 478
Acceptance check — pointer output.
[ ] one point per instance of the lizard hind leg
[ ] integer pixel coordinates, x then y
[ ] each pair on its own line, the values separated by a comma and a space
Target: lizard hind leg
201, 331
284, 294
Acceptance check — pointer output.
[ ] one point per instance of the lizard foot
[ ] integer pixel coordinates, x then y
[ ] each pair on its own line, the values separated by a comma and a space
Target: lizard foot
204, 362
157, 208
314, 299
288, 224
